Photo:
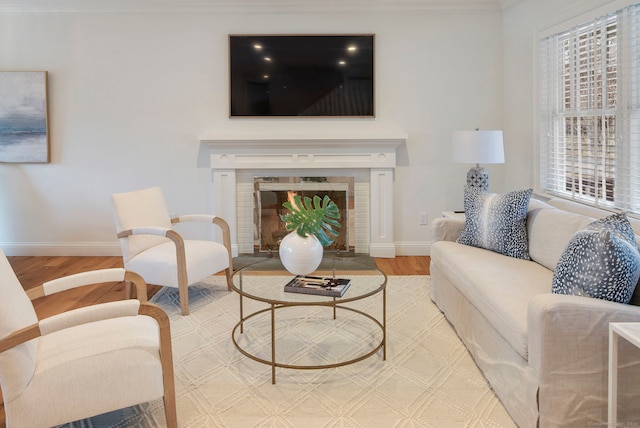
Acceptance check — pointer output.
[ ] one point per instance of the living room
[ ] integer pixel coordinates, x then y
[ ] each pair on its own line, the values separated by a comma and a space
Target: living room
132, 88
135, 88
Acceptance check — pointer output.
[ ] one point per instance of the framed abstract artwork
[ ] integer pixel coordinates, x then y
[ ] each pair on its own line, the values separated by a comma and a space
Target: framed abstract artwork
24, 125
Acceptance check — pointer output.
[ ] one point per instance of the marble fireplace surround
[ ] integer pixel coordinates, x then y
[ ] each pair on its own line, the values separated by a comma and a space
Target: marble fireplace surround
235, 160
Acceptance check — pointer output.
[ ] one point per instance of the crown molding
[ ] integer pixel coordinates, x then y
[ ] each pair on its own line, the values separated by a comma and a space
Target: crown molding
246, 6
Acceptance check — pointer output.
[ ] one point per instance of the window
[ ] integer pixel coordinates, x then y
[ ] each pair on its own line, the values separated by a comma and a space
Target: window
590, 111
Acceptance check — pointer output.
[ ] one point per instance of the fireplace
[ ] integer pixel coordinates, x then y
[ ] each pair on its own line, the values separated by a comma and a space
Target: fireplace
271, 192
370, 161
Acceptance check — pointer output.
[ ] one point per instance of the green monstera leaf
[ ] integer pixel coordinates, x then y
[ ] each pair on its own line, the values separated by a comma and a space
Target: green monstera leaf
317, 217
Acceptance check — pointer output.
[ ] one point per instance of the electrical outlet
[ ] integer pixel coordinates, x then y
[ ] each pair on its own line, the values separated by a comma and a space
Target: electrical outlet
424, 219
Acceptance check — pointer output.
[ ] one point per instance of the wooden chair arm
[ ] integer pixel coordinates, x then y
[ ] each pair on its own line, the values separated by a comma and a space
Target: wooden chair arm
158, 231
176, 238
156, 312
194, 218
90, 278
166, 358
208, 218
21, 336
84, 315
33, 331
226, 236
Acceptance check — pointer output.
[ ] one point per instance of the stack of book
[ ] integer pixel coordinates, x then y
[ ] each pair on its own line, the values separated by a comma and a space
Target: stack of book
333, 287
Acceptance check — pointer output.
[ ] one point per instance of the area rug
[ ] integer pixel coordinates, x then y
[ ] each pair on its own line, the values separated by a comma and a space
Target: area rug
427, 380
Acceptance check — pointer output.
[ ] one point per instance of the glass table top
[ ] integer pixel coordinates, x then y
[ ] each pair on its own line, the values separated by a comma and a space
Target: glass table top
266, 278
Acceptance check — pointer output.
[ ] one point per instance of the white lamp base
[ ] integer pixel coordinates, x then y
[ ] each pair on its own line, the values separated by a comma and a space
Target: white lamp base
478, 177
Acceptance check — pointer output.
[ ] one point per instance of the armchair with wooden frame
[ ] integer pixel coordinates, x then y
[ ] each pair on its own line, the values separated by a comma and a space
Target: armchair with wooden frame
82, 362
153, 249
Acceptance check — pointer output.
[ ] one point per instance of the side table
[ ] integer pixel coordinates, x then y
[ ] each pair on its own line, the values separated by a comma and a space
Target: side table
630, 331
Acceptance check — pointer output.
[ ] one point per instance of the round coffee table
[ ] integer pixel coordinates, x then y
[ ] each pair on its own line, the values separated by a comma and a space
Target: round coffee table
263, 283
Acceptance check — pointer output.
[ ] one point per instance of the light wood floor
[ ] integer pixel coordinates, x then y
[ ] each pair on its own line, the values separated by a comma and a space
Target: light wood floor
33, 271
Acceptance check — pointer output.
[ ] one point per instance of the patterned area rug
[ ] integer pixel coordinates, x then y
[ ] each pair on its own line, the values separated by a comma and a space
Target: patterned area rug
427, 380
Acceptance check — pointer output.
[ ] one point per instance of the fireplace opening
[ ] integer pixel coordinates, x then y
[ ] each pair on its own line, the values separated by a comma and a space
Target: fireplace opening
271, 192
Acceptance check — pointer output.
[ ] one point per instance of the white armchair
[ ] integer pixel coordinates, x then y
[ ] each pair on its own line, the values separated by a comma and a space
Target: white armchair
151, 248
83, 362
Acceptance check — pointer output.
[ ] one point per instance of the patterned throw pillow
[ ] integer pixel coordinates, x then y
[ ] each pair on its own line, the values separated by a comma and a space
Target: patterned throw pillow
617, 222
602, 261
496, 222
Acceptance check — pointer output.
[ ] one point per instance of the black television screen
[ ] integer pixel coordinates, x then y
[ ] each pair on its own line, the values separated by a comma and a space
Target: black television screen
301, 75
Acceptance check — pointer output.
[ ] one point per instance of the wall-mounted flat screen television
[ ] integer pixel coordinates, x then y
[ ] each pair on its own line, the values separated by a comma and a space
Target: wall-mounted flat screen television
301, 75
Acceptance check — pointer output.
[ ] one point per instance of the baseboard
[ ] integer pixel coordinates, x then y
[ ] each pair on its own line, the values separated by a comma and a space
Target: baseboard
61, 249
417, 248
384, 251
413, 248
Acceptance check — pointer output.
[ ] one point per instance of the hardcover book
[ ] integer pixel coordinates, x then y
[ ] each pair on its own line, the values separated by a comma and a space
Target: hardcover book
323, 286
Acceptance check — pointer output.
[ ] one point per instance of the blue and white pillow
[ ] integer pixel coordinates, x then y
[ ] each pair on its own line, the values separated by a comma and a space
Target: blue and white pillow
601, 261
497, 222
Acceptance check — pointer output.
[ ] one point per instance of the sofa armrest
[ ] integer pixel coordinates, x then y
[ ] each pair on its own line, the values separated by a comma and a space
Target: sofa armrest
568, 340
570, 328
446, 229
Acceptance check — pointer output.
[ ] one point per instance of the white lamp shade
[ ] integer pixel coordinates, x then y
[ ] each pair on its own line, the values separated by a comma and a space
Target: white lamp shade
478, 147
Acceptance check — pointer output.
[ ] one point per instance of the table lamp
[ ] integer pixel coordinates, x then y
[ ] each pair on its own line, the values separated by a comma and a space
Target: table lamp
478, 147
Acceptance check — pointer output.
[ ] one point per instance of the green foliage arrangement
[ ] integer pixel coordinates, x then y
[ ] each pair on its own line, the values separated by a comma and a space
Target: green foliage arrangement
317, 217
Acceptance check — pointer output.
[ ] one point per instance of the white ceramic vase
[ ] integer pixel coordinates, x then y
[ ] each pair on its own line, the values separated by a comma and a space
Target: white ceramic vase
300, 255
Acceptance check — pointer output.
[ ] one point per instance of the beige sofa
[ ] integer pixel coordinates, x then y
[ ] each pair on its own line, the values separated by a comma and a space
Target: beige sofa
544, 354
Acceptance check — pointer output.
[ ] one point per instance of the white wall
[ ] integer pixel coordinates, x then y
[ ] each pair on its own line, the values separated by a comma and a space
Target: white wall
130, 92
524, 23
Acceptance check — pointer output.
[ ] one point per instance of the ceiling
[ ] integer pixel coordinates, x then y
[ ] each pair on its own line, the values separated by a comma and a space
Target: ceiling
260, 6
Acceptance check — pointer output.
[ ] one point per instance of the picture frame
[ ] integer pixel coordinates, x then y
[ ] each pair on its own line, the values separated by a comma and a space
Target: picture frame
24, 122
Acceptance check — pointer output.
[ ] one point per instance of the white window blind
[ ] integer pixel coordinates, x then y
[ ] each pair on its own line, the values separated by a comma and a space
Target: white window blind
590, 111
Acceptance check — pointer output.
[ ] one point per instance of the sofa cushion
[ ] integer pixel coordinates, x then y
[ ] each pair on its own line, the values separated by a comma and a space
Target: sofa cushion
589, 211
499, 287
600, 261
549, 232
496, 222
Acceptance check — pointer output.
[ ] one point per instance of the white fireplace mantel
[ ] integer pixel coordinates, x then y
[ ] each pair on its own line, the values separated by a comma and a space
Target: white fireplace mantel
281, 154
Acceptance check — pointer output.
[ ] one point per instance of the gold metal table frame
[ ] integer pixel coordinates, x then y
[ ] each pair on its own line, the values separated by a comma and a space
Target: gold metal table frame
288, 300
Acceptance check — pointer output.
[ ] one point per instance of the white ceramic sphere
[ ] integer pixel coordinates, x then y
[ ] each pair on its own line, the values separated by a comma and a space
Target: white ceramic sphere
300, 255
